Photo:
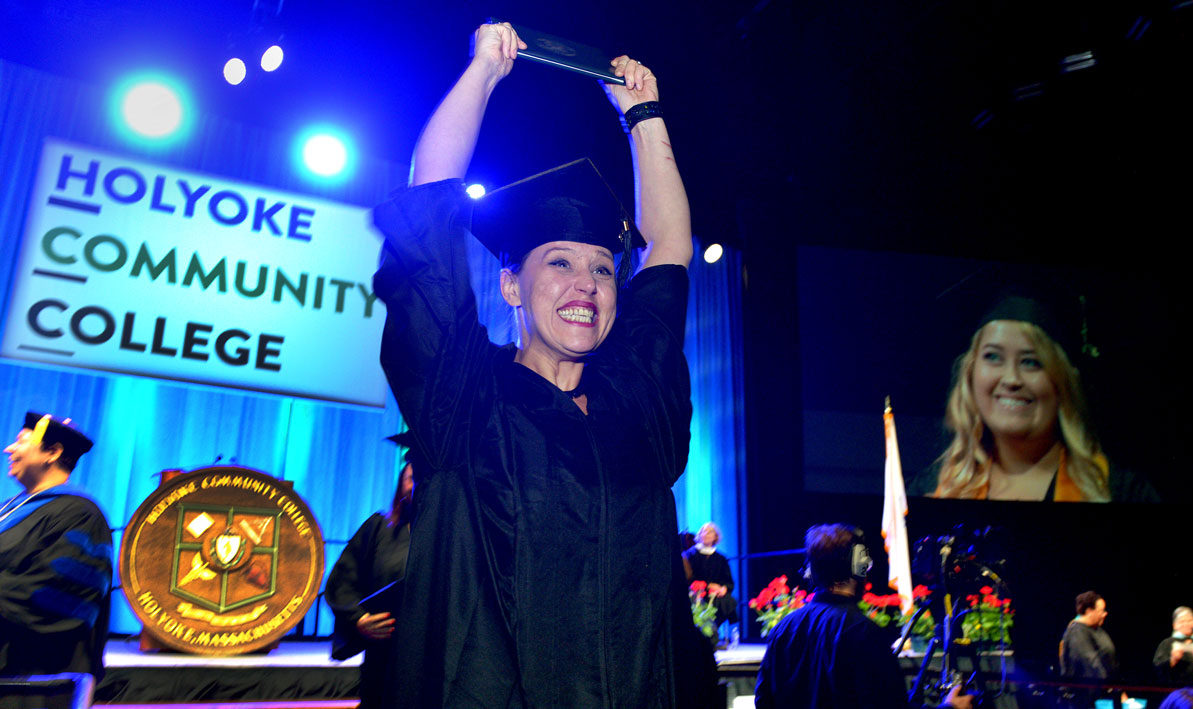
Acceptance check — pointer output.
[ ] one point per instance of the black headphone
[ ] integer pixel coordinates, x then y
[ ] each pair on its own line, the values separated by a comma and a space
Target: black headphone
860, 562
857, 558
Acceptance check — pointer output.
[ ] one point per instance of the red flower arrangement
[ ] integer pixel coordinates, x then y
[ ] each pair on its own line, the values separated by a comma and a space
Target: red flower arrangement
887, 609
990, 617
775, 601
703, 610
884, 609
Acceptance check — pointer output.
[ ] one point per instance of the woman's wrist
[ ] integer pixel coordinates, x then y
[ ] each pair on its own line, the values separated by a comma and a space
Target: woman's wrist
487, 72
640, 112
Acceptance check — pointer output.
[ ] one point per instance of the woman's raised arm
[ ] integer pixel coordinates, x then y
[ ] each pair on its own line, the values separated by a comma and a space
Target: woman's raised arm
662, 203
445, 147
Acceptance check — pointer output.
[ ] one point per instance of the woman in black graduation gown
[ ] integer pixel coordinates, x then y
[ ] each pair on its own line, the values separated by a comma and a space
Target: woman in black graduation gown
374, 558
543, 566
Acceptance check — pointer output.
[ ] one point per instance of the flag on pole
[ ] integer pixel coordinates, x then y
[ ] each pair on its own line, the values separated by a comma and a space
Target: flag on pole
894, 512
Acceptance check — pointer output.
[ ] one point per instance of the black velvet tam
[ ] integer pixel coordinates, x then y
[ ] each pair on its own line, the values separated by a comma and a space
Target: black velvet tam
571, 202
73, 442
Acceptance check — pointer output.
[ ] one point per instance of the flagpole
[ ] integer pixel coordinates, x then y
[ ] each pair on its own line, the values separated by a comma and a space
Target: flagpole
894, 513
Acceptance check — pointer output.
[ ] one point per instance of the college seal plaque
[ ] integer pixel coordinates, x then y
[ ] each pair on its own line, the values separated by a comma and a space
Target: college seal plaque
221, 561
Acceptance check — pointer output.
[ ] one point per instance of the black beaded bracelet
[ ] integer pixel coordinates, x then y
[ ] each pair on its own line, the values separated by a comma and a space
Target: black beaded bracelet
641, 112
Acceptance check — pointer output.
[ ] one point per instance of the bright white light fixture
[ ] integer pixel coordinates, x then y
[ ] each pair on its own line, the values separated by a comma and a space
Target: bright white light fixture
325, 154
234, 71
713, 253
272, 58
475, 191
152, 109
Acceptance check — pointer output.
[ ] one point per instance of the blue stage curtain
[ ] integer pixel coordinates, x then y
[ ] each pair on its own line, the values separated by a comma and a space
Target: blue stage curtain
335, 455
713, 486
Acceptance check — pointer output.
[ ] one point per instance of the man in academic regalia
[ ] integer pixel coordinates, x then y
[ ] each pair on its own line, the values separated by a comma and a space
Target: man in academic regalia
55, 558
1173, 659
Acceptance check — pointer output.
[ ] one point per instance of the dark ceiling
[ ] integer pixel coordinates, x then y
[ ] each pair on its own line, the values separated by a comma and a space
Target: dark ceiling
944, 126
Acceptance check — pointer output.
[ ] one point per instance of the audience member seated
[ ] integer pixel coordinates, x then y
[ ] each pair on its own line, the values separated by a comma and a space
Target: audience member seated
703, 562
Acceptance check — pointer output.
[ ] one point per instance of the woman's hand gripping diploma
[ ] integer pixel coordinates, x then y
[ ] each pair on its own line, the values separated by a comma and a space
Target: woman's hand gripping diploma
640, 84
375, 626
496, 46
445, 147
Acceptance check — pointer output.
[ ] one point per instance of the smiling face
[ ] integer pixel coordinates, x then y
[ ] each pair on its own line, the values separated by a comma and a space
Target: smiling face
566, 296
27, 461
1015, 396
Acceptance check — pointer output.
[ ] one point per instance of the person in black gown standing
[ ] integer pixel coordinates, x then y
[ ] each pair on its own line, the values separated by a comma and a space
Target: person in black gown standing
374, 558
544, 568
55, 558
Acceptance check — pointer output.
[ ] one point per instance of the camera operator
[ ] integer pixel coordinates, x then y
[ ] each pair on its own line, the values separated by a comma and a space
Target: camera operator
828, 653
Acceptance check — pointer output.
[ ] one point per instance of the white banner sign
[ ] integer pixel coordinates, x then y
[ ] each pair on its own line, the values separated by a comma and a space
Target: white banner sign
137, 268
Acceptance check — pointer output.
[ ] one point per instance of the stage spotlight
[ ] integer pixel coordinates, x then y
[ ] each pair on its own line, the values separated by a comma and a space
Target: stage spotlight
325, 152
475, 191
234, 71
713, 253
325, 155
272, 58
150, 108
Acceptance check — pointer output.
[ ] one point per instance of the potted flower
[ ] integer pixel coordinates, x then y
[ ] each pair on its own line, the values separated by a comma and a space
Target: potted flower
775, 601
704, 613
883, 610
989, 619
925, 625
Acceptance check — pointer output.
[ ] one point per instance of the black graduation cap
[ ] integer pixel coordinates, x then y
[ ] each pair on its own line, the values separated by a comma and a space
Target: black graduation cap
1059, 317
571, 202
74, 443
1049, 297
405, 439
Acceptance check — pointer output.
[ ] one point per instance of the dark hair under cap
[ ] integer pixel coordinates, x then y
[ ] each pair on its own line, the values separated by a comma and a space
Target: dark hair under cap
571, 202
73, 442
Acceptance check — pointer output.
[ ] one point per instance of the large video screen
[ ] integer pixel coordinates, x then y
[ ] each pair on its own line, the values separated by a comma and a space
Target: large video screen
1091, 406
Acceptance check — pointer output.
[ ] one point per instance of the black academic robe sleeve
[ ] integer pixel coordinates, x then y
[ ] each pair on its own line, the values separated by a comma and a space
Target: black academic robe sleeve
710, 568
646, 348
429, 359
349, 582
1182, 672
55, 588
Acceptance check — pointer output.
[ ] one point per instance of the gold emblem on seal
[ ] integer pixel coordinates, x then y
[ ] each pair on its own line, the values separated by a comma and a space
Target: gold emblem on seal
221, 561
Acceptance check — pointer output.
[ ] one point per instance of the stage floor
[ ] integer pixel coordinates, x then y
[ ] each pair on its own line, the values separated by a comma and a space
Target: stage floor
294, 653
296, 673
